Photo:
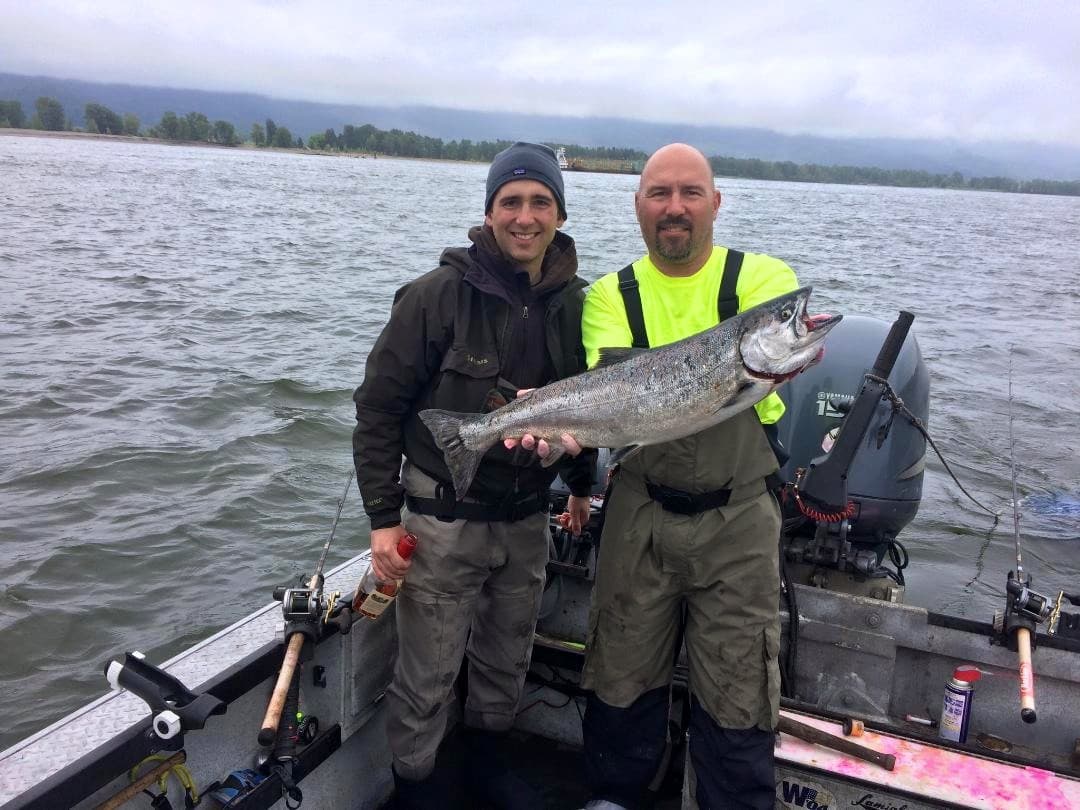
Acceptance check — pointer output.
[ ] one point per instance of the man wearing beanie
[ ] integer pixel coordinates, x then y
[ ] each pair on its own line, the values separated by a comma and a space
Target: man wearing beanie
498, 316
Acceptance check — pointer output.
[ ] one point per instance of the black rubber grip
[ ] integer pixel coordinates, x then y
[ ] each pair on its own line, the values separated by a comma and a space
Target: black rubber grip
890, 349
285, 740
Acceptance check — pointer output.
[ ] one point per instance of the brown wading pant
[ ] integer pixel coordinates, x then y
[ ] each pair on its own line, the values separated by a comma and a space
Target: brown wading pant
487, 577
723, 564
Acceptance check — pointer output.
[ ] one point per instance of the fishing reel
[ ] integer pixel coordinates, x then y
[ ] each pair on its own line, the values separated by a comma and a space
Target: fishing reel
306, 609
1024, 602
299, 604
1024, 608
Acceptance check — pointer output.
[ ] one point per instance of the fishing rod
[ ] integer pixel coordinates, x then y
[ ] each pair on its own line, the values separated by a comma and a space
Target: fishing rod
1020, 576
302, 608
1024, 607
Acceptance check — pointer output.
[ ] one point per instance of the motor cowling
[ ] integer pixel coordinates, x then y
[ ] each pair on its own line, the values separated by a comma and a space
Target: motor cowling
885, 478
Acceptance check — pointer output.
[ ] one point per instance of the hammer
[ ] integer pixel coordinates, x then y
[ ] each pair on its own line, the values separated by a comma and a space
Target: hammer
819, 737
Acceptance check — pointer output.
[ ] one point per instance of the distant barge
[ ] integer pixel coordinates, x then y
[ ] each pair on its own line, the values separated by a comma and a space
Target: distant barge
601, 165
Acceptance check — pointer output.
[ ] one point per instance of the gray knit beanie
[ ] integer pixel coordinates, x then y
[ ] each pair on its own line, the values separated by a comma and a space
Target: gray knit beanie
526, 161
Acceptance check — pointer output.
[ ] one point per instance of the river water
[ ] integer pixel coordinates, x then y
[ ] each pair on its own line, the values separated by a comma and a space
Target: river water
181, 329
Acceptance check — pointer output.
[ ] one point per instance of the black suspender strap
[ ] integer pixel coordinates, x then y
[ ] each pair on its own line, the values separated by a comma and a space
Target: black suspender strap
727, 303
628, 286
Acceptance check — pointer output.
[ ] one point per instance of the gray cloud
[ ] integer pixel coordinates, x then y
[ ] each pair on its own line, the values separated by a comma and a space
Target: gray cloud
967, 70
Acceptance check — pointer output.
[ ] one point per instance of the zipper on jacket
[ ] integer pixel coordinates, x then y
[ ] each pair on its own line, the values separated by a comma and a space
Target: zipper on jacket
501, 347
525, 312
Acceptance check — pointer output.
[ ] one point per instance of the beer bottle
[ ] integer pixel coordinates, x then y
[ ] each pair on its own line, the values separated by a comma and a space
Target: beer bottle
373, 594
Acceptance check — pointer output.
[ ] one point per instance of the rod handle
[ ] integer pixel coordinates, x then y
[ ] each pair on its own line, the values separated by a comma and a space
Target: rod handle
1027, 675
823, 738
272, 719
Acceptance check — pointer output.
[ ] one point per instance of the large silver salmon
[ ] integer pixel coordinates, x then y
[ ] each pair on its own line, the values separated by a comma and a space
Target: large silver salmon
641, 397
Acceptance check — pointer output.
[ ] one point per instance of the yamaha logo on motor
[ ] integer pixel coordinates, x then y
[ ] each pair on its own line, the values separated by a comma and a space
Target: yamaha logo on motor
825, 400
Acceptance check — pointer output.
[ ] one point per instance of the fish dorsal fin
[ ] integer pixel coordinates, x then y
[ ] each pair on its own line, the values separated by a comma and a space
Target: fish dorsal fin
617, 354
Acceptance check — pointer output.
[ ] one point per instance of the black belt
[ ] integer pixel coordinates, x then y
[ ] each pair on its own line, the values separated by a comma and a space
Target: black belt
687, 503
444, 507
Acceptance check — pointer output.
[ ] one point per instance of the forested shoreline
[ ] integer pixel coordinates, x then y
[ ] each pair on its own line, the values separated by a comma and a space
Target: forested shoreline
195, 127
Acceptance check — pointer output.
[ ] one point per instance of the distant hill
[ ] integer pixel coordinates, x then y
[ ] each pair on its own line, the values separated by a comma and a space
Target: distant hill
982, 159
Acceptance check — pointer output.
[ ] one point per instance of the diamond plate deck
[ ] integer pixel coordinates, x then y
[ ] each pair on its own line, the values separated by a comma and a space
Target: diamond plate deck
34, 759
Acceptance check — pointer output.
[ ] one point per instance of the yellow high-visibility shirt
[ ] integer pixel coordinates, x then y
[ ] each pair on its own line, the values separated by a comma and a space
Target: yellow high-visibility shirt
675, 308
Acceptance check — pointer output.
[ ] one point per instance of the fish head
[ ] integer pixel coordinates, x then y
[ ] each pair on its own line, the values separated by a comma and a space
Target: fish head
779, 338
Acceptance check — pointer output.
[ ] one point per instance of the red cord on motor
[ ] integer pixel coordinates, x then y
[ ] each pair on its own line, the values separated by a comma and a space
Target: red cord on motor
819, 516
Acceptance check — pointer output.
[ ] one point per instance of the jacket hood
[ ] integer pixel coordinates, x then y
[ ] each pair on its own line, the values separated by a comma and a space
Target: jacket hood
559, 266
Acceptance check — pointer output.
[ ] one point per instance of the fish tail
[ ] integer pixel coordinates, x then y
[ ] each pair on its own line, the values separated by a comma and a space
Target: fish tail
445, 427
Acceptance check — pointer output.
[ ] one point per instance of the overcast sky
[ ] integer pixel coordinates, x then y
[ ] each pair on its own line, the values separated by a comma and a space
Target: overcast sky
1005, 70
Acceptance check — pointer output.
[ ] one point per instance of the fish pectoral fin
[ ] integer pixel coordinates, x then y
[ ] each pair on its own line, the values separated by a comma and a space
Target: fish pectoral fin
616, 354
556, 452
621, 454
746, 394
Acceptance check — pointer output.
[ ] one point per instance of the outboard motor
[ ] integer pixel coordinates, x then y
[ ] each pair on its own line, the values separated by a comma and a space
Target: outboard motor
880, 472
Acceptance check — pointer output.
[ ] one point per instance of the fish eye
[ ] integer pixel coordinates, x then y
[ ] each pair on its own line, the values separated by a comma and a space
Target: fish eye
786, 313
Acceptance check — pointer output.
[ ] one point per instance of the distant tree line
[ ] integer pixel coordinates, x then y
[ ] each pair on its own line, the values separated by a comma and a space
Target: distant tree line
196, 128
273, 135
862, 175
48, 114
398, 143
11, 114
99, 119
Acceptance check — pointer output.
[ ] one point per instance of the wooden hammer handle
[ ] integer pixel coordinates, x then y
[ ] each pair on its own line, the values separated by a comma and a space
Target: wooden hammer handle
819, 737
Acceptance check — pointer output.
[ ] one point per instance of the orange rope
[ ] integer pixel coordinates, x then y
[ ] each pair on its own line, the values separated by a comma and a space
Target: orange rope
818, 515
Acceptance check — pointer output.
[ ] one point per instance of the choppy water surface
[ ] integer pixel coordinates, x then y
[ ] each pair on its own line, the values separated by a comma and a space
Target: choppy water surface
181, 330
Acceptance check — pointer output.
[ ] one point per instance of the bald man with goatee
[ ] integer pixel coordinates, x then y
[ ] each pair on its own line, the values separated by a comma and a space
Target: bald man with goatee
690, 541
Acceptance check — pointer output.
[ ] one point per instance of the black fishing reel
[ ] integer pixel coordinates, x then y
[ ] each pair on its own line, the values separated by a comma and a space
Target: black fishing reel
1025, 603
308, 610
299, 604
1024, 609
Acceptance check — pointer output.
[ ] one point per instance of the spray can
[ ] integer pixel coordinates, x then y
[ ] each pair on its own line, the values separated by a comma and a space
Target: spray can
956, 707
